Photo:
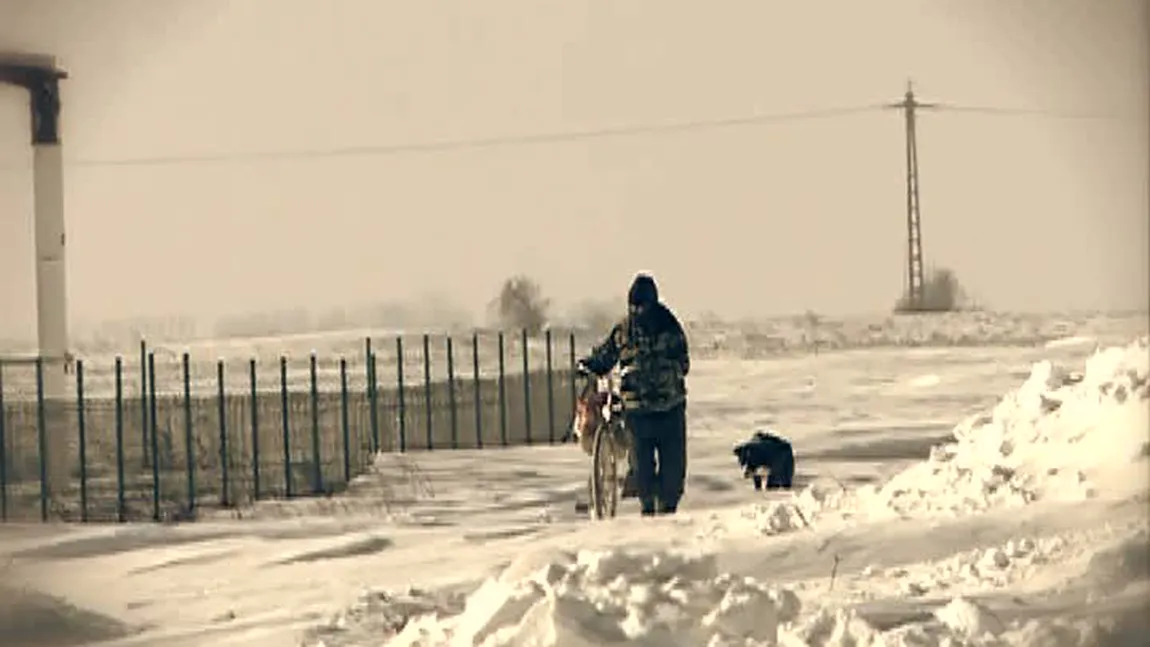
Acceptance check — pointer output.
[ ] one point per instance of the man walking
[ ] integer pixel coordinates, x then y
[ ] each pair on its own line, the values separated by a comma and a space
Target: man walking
650, 347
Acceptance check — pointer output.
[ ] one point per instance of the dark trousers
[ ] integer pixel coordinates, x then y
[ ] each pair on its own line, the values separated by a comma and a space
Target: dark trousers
659, 456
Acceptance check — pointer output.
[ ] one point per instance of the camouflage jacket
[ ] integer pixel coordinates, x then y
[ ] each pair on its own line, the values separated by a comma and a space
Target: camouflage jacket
651, 351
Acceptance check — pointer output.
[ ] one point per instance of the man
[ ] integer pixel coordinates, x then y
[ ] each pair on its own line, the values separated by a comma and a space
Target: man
650, 347
766, 451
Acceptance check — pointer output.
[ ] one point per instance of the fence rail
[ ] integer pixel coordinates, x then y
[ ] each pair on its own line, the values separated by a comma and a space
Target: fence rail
160, 435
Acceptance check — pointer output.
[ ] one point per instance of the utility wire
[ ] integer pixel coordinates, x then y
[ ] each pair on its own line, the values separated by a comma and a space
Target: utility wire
509, 141
1021, 112
484, 143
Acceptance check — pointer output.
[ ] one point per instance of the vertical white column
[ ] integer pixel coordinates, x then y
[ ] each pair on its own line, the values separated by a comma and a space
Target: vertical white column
51, 300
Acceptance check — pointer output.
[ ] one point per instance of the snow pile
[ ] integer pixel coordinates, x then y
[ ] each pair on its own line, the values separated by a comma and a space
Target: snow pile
663, 599
1061, 435
637, 597
611, 597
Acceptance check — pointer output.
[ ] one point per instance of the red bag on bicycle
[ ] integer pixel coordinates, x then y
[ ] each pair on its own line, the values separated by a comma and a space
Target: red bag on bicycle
588, 417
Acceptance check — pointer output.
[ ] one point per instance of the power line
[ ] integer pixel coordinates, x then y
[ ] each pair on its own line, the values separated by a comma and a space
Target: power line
511, 141
1020, 112
453, 145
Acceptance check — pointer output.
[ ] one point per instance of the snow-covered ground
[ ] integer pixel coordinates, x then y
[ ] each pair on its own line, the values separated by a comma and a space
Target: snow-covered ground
710, 339
973, 496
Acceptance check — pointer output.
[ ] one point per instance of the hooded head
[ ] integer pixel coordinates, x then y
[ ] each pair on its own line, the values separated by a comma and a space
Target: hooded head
643, 293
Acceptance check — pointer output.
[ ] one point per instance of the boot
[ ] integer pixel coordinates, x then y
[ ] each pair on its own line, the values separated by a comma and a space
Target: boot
647, 507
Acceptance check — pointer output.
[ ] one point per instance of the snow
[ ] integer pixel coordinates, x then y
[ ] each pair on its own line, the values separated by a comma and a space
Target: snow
609, 597
1023, 524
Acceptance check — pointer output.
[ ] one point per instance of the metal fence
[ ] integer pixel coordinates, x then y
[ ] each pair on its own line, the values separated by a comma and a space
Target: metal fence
160, 435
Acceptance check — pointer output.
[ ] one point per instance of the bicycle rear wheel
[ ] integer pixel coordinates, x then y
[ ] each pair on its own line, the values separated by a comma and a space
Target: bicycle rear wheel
604, 474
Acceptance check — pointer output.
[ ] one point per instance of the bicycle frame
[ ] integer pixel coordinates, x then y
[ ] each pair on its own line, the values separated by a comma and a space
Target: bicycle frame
598, 403
599, 427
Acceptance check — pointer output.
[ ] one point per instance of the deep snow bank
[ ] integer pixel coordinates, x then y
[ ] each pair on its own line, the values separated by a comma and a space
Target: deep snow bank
674, 599
662, 599
1062, 435
596, 598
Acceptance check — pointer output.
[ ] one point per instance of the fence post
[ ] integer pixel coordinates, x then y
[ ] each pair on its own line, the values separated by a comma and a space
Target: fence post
189, 437
550, 392
3, 453
502, 394
343, 419
222, 403
478, 399
255, 430
427, 389
286, 427
400, 394
317, 466
144, 402
42, 432
153, 433
373, 361
82, 440
119, 404
451, 393
372, 396
574, 392
526, 389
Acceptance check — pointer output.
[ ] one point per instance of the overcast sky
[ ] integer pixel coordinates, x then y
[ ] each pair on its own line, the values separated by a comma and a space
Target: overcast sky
1033, 213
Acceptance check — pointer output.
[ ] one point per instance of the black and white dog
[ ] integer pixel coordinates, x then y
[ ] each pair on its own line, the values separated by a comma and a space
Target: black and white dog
769, 453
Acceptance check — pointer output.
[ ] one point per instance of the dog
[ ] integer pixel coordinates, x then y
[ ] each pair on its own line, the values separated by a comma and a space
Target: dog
766, 452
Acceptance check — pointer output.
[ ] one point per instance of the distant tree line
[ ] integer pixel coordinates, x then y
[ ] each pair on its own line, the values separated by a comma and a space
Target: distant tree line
519, 303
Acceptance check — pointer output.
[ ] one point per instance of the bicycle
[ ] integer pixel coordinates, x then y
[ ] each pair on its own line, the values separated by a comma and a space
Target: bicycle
598, 426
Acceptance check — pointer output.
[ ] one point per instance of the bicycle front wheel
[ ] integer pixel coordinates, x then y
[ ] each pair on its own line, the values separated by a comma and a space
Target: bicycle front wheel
604, 474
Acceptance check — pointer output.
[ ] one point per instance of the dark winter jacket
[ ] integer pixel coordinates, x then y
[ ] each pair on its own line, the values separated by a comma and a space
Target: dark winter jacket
651, 350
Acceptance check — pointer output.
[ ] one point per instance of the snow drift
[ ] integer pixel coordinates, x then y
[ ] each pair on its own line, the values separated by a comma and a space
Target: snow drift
679, 599
670, 599
1061, 436
596, 598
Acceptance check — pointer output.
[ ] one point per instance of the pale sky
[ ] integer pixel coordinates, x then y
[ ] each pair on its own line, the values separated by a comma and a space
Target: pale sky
1032, 213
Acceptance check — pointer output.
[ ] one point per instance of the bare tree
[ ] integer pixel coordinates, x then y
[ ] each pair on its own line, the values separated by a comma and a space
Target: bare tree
941, 292
521, 305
